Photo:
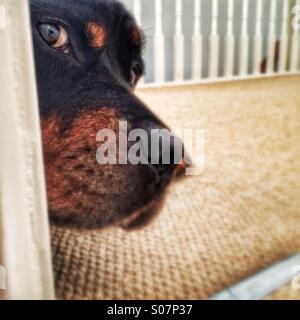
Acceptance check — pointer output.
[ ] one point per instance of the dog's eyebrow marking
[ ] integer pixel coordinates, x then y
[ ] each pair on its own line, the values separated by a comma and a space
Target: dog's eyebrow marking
96, 34
136, 35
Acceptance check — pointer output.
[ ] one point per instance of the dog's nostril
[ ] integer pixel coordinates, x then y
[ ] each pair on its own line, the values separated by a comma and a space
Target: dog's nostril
164, 170
165, 153
162, 154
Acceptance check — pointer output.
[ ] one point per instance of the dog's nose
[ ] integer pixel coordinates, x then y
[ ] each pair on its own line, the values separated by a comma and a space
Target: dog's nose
162, 154
165, 150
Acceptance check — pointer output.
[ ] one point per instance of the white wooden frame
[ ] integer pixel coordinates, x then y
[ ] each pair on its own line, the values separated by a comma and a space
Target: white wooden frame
24, 234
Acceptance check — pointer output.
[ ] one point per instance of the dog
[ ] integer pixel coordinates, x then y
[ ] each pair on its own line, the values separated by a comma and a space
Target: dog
88, 57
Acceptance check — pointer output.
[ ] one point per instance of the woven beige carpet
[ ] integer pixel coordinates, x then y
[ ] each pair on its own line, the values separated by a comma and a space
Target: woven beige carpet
241, 215
286, 292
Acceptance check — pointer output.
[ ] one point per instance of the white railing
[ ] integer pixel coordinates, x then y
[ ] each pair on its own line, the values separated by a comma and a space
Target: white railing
190, 41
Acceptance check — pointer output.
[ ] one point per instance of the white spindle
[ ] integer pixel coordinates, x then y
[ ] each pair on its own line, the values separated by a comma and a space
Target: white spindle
178, 44
244, 41
214, 42
137, 9
258, 39
271, 38
284, 37
229, 41
286, 51
159, 45
294, 61
197, 42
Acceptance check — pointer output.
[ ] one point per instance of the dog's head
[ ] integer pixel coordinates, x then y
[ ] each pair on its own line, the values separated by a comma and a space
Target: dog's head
88, 61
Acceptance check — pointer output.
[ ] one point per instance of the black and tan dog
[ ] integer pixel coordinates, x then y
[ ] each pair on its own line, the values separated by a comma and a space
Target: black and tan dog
88, 60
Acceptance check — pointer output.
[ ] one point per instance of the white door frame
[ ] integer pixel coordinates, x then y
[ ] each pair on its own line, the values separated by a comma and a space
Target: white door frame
24, 230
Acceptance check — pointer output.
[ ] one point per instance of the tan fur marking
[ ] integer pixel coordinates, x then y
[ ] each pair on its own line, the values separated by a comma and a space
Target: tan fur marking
136, 35
70, 158
96, 35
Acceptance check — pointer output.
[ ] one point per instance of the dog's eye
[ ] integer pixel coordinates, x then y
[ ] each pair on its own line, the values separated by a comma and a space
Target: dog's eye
135, 73
55, 36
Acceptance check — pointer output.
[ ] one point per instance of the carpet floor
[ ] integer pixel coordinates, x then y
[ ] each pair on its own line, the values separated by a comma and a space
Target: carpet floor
239, 216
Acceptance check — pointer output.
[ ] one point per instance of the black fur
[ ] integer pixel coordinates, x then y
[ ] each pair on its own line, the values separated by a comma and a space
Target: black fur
93, 79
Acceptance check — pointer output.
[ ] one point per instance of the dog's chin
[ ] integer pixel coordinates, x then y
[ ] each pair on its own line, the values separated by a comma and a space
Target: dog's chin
142, 217
145, 215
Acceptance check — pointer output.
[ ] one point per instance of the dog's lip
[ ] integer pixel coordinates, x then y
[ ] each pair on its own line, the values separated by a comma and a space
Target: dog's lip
183, 166
146, 214
142, 217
